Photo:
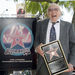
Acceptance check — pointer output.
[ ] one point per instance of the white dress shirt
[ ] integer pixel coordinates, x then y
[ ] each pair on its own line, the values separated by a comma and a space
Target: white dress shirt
57, 29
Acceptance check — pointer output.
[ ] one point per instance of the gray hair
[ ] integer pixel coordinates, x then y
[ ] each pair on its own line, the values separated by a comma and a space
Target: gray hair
54, 5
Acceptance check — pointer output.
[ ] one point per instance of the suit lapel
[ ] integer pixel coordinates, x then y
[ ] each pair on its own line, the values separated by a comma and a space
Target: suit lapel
44, 30
61, 30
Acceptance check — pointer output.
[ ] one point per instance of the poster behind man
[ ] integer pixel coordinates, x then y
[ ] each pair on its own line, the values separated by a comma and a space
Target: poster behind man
16, 43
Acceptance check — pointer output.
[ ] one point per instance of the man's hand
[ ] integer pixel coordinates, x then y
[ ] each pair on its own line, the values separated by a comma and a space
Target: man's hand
70, 68
39, 51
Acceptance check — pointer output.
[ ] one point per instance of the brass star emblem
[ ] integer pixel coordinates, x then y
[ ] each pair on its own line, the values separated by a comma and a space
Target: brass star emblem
52, 52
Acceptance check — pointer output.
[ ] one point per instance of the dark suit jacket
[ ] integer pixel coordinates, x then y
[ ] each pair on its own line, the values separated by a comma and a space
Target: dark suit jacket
67, 39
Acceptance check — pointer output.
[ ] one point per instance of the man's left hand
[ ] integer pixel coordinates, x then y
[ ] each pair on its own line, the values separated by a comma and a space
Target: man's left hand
70, 66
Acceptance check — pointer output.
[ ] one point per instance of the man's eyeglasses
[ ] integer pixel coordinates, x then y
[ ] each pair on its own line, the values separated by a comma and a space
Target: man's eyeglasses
53, 9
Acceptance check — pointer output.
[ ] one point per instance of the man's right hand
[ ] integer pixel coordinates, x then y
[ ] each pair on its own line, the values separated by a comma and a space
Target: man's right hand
39, 51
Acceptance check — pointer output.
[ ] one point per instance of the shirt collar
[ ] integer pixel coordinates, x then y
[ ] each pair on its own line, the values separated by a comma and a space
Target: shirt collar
57, 20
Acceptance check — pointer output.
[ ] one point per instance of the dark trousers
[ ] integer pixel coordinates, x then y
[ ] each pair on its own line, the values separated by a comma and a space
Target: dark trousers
3, 73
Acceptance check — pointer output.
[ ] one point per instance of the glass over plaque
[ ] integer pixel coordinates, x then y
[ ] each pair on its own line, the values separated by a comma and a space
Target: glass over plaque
54, 58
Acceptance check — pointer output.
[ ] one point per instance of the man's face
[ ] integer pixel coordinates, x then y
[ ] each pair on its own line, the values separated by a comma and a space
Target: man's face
54, 13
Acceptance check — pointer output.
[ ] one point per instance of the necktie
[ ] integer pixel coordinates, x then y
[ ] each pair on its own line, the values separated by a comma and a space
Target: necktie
52, 33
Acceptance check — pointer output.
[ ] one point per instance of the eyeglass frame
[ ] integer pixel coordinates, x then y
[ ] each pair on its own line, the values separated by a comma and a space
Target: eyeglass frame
53, 9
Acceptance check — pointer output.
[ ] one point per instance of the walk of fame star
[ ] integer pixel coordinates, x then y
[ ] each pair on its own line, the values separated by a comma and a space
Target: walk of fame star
17, 38
52, 52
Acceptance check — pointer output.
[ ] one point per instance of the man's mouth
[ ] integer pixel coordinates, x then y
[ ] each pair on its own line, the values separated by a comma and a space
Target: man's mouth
54, 16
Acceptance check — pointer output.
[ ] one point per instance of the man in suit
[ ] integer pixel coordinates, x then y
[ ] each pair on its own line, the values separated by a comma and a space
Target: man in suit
64, 33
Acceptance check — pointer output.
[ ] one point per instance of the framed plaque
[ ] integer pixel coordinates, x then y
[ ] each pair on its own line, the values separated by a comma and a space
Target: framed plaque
54, 58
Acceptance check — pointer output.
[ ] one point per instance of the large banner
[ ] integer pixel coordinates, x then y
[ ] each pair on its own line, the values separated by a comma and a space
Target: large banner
16, 43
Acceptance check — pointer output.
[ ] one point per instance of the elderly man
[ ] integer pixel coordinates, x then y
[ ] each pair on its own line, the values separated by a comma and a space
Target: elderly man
63, 31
